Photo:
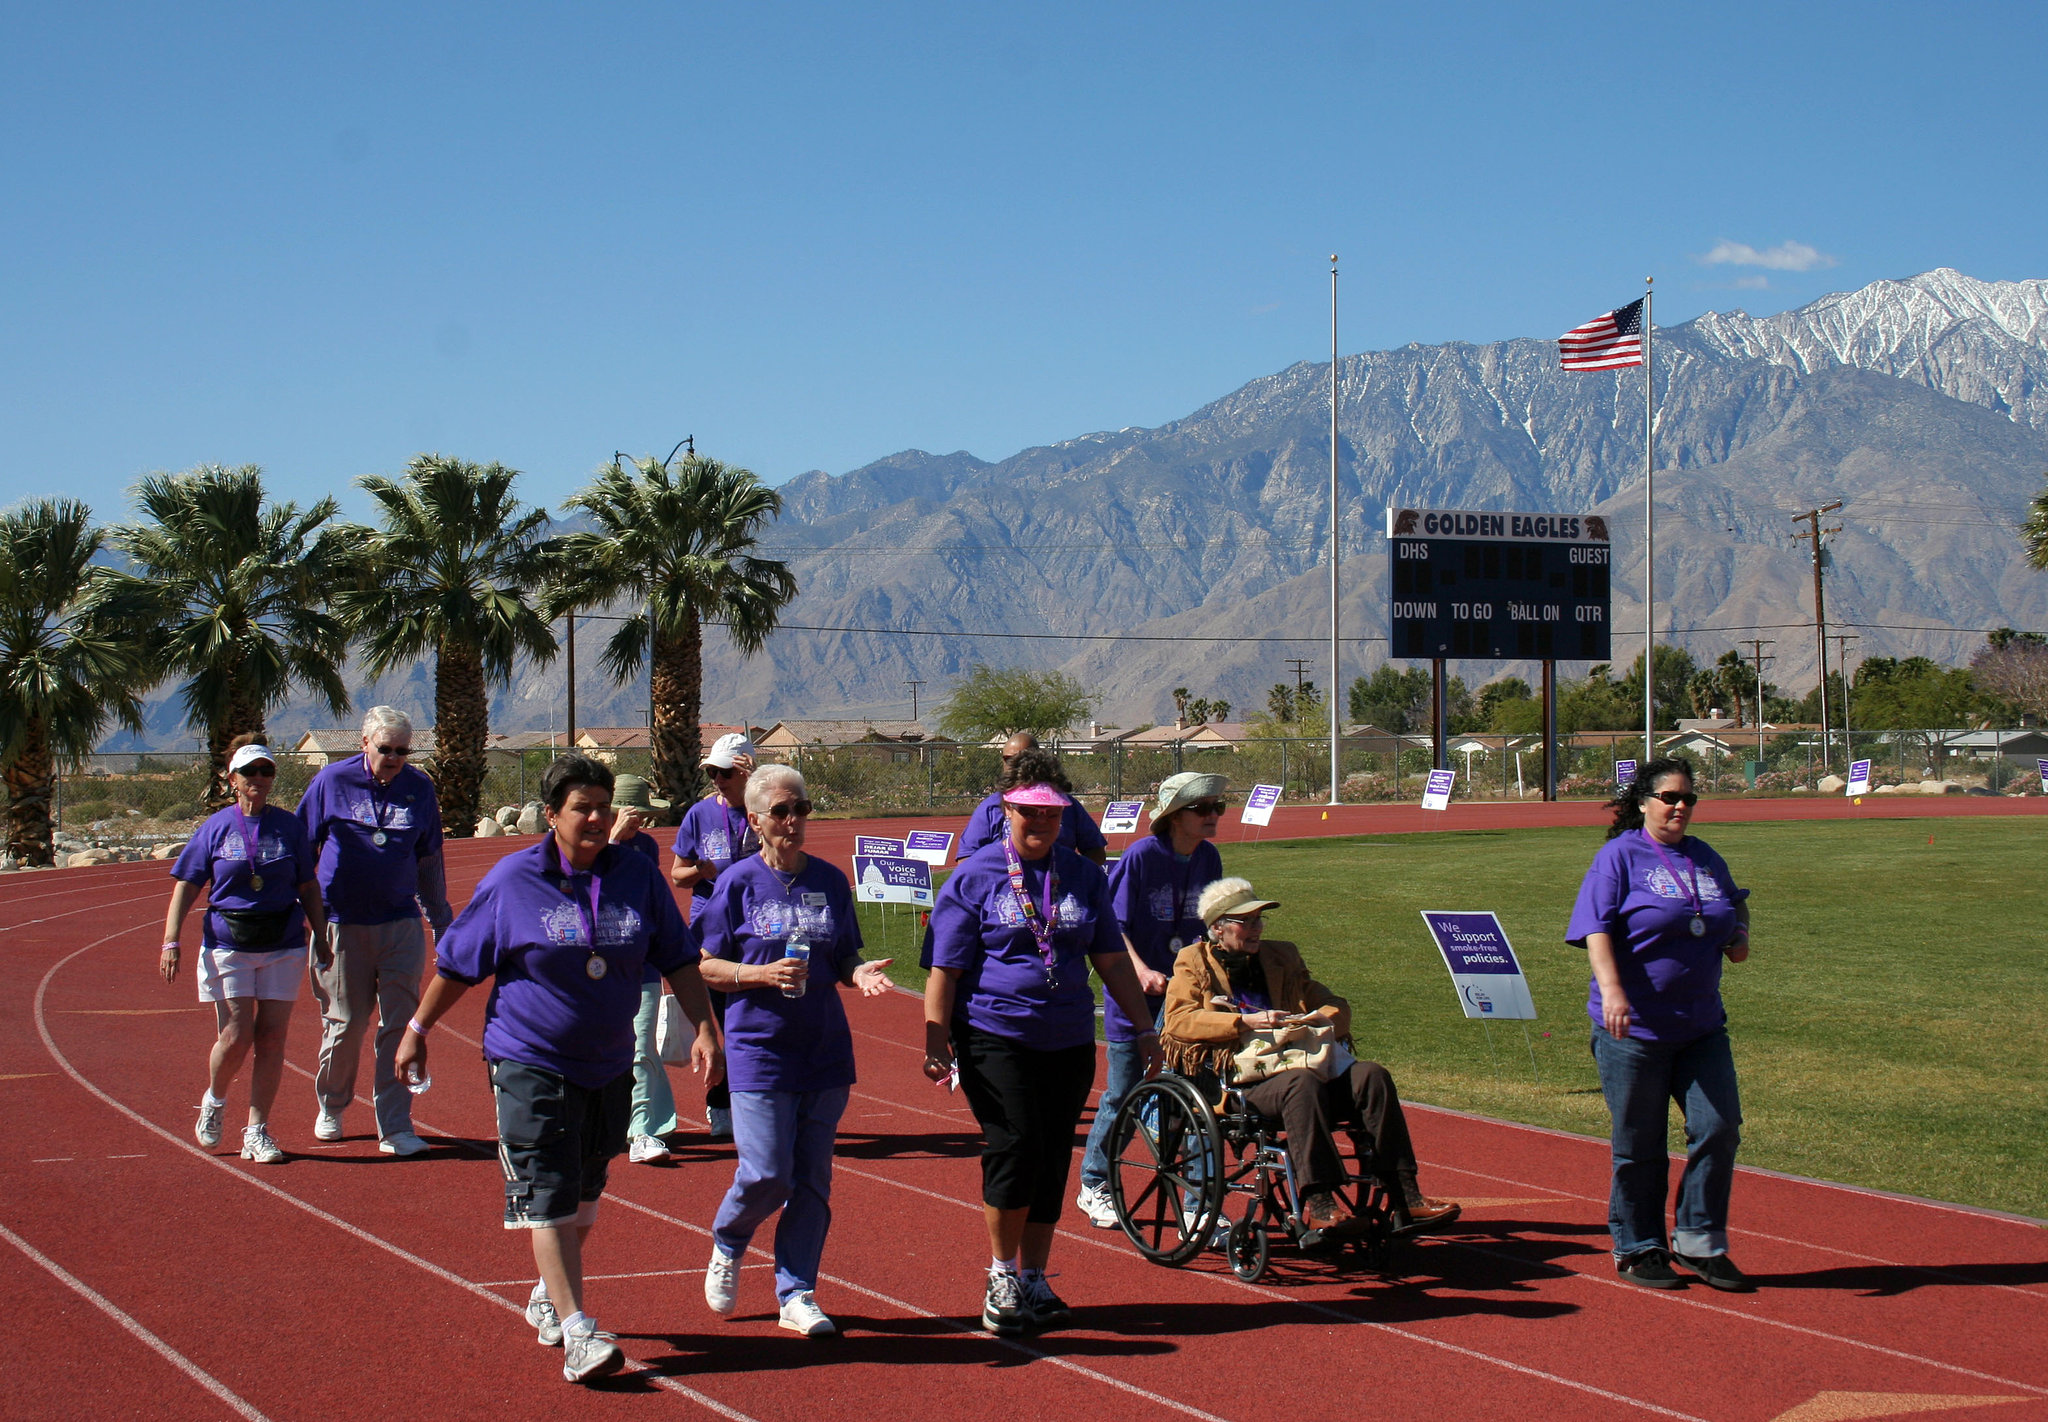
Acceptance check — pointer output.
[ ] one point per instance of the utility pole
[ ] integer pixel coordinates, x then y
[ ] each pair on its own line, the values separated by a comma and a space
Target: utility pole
913, 685
1814, 533
1842, 641
569, 740
1300, 665
1756, 647
1336, 668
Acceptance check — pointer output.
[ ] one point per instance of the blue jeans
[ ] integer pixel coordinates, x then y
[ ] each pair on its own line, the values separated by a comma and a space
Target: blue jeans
1126, 1070
654, 1104
784, 1139
1640, 1081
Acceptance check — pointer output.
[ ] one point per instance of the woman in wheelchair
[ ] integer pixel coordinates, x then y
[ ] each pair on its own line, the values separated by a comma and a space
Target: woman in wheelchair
1233, 984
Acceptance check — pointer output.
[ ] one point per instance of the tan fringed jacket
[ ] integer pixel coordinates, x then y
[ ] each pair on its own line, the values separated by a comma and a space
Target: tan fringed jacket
1198, 1036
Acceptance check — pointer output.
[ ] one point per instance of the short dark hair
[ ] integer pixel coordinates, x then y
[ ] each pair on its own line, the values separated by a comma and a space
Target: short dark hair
568, 772
1628, 805
1036, 767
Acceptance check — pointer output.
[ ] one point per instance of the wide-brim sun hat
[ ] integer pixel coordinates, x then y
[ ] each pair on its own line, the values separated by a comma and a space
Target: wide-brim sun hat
249, 755
630, 792
1177, 792
1039, 796
725, 750
1228, 896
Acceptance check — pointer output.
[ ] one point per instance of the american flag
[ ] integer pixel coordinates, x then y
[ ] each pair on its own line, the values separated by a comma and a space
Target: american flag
1605, 343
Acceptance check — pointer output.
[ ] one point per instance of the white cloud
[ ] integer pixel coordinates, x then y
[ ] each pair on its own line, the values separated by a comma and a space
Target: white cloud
1752, 283
1785, 257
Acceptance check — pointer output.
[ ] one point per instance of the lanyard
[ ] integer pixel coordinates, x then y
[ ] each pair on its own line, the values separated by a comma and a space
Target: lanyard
252, 838
378, 805
1040, 924
735, 847
596, 967
1692, 891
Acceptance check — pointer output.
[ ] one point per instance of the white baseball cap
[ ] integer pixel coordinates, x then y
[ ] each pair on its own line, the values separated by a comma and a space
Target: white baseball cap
249, 755
727, 749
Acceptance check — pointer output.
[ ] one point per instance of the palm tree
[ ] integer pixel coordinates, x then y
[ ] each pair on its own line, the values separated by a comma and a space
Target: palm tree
239, 582
2034, 532
448, 574
674, 539
70, 658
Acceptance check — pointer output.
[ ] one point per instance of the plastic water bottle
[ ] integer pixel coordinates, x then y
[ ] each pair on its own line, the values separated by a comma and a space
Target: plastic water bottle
416, 1083
800, 949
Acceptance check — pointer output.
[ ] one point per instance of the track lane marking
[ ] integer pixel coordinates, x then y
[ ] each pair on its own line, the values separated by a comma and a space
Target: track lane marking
133, 1327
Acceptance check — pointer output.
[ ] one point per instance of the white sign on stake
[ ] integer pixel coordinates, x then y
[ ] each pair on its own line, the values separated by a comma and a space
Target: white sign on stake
1859, 778
1121, 816
1258, 806
1483, 968
1436, 791
932, 846
875, 846
883, 880
2042, 766
1624, 774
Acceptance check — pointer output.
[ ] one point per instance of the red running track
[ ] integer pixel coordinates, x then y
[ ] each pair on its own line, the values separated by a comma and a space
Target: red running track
150, 1278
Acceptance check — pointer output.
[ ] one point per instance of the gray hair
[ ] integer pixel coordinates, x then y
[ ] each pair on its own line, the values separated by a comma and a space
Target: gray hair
386, 717
763, 783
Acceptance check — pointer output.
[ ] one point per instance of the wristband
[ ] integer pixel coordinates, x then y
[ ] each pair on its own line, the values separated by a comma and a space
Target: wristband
171, 947
414, 1023
1148, 1032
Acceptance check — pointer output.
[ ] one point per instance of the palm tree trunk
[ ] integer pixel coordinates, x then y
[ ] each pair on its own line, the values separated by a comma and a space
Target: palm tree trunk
30, 777
462, 717
677, 668
244, 715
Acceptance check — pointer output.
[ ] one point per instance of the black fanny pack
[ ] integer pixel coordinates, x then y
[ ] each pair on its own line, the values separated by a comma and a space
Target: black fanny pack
253, 928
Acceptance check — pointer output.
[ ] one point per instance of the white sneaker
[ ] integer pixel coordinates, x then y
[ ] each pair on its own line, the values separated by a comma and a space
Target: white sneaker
207, 1131
721, 1122
647, 1149
540, 1312
721, 1282
402, 1143
327, 1125
801, 1314
588, 1354
1095, 1203
259, 1147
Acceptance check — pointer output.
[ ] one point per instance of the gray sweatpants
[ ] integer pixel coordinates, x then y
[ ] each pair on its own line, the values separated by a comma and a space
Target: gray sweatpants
376, 966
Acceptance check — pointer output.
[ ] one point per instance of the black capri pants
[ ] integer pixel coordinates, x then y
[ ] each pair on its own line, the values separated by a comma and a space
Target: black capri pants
1029, 1105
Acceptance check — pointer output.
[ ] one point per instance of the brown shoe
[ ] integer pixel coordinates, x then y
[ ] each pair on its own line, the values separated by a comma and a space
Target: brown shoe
1324, 1211
1427, 1216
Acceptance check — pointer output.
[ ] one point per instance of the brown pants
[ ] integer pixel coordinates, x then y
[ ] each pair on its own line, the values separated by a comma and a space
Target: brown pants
1310, 1110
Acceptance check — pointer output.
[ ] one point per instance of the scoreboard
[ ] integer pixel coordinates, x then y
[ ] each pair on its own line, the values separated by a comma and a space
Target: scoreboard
1512, 586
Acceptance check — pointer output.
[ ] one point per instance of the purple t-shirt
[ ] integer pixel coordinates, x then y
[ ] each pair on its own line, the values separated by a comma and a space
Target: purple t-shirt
987, 825
979, 928
1645, 900
218, 855
528, 929
714, 830
772, 1042
1155, 893
343, 811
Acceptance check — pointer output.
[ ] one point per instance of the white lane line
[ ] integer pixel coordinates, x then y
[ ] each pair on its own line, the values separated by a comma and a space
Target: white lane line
53, 1160
137, 1156
142, 1335
703, 1400
1632, 1290
644, 1274
89, 908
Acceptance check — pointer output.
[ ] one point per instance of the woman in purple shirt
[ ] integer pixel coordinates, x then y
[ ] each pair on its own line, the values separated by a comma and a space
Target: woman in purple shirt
262, 896
1656, 914
1008, 1006
780, 940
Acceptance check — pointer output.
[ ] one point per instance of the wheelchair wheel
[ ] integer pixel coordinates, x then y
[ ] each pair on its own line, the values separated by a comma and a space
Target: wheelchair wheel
1249, 1248
1166, 1169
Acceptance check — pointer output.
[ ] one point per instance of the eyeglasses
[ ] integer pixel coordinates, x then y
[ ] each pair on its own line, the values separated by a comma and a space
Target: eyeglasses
1676, 797
1242, 920
1040, 812
400, 751
257, 770
1207, 807
789, 809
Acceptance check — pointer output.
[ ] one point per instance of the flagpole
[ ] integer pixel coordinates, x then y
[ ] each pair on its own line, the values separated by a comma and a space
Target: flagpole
1335, 667
1649, 535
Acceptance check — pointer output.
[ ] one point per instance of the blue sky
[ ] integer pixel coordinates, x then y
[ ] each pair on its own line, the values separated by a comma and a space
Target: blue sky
321, 240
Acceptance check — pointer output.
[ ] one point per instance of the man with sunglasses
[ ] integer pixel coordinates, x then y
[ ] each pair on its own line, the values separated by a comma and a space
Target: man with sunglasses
1078, 830
714, 833
375, 822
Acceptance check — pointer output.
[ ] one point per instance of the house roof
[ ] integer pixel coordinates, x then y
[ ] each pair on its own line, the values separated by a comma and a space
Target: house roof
524, 740
346, 740
842, 732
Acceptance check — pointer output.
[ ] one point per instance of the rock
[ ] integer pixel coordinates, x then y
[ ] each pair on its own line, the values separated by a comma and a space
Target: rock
8, 863
1832, 785
530, 818
1930, 787
1802, 789
488, 828
86, 858
167, 851
1884, 790
508, 816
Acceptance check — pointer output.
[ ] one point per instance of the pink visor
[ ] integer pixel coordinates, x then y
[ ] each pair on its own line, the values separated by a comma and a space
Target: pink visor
1041, 795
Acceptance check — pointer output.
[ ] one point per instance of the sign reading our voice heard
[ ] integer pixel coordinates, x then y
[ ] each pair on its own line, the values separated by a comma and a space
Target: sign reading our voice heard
1121, 816
932, 846
1859, 778
1258, 806
1475, 948
1506, 585
880, 879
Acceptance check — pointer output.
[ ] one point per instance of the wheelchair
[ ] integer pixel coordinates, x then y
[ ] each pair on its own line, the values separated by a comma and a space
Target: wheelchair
1177, 1161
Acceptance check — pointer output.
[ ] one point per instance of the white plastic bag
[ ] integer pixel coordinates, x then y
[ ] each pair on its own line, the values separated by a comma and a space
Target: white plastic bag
673, 1033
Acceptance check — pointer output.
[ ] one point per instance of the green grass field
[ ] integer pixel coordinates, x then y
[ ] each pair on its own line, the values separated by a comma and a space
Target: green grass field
1889, 1026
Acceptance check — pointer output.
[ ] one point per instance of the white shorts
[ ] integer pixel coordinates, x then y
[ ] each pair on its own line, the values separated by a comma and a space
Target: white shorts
272, 974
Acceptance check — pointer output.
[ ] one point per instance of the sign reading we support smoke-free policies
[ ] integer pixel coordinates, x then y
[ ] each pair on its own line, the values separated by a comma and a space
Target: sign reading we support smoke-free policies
1475, 948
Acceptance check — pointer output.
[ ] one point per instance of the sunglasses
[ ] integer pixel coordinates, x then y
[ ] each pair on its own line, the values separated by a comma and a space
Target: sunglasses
789, 809
400, 751
724, 774
1676, 797
265, 770
1207, 807
1040, 812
